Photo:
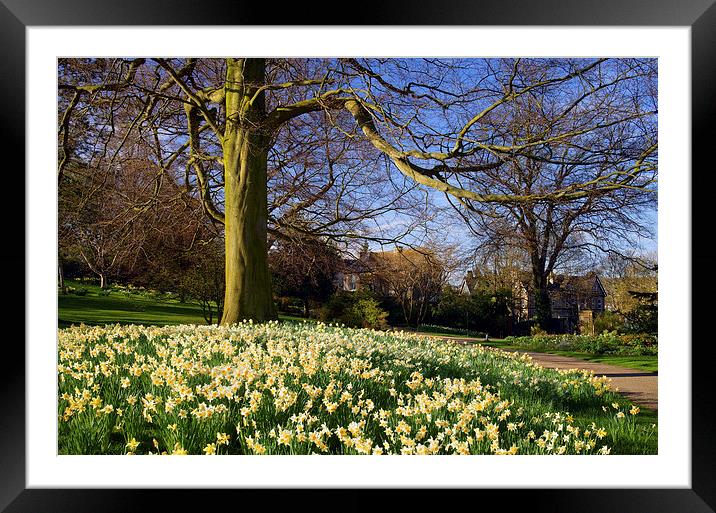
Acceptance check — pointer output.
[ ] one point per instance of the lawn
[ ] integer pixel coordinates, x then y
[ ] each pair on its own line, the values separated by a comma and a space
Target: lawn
123, 307
647, 363
302, 388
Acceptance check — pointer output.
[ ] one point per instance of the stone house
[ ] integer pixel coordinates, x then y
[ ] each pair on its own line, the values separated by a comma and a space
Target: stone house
575, 301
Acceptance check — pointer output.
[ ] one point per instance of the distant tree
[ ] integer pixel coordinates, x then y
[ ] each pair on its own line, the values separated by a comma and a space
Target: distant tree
203, 281
305, 268
412, 277
496, 268
131, 225
644, 318
94, 224
609, 321
483, 310
623, 277
569, 166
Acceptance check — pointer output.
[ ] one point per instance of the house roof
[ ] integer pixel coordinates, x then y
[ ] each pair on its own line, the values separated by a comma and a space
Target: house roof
353, 266
583, 285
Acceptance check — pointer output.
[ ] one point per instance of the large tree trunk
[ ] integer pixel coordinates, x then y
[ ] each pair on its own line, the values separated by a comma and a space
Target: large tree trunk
543, 307
61, 277
248, 281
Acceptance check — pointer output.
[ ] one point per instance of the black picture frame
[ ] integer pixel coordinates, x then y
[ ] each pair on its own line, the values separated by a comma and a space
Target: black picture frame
700, 15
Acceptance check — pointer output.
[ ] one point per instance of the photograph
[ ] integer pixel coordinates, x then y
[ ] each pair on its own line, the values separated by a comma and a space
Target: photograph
357, 255
358, 258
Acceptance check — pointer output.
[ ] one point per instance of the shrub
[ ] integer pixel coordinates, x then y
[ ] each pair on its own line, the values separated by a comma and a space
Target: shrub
644, 318
366, 313
290, 305
605, 343
537, 331
358, 310
482, 311
608, 321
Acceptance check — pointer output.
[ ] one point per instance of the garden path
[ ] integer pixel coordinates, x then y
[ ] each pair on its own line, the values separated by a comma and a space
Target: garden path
638, 386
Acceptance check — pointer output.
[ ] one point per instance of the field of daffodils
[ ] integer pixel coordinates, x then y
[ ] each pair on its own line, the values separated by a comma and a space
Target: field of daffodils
302, 388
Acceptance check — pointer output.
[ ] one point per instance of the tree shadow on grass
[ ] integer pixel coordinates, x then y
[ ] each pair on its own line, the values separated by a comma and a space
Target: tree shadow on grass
94, 310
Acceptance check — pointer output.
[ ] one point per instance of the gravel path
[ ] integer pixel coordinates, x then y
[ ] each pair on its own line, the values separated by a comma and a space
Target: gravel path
640, 387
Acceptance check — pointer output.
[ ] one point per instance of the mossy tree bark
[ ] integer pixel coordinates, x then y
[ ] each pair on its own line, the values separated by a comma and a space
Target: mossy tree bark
246, 143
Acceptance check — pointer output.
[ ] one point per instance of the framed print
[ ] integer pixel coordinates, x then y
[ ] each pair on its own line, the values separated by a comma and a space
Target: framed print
430, 112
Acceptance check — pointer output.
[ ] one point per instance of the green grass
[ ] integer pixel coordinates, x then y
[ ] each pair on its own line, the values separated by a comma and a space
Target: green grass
123, 308
647, 363
120, 307
642, 363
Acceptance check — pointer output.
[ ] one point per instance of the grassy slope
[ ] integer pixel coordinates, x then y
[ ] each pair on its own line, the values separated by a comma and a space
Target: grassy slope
85, 435
642, 363
93, 309
121, 308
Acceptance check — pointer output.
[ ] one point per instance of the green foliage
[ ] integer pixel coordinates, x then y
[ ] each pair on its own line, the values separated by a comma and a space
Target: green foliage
644, 318
542, 310
303, 269
355, 309
537, 331
483, 312
607, 343
609, 321
366, 313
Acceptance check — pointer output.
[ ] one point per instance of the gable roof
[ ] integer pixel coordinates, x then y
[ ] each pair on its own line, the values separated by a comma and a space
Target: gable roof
586, 285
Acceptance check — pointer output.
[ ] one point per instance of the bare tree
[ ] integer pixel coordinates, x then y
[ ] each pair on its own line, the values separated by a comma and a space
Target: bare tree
625, 276
94, 225
552, 157
304, 267
413, 277
237, 128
